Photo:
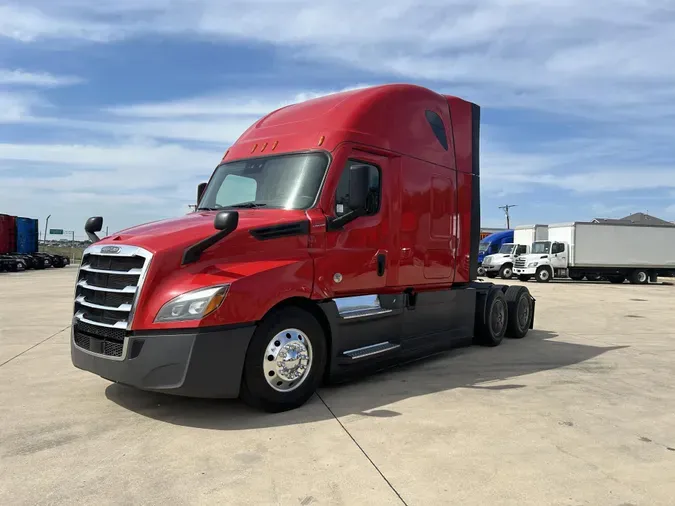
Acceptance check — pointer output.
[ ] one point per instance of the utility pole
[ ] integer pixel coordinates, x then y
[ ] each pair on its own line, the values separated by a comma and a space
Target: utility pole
47, 227
506, 212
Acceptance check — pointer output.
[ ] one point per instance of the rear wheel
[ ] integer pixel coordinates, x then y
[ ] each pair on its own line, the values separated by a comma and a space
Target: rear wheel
639, 277
492, 326
543, 275
523, 277
506, 272
519, 304
284, 362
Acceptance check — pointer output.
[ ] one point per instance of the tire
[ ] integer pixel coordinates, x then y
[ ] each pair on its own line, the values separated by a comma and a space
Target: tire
491, 329
523, 277
617, 280
481, 270
491, 275
639, 277
287, 394
506, 272
543, 275
519, 303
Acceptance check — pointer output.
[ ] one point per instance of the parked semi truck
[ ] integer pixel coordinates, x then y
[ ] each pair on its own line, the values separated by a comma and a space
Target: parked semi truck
616, 252
491, 245
336, 236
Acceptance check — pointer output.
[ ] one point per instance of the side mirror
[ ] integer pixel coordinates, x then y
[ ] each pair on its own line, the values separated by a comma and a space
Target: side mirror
93, 225
226, 220
200, 192
359, 185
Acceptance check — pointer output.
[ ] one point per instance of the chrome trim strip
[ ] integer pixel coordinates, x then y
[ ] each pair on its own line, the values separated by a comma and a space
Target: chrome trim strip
122, 324
365, 313
373, 349
130, 272
146, 267
125, 344
84, 284
124, 250
124, 307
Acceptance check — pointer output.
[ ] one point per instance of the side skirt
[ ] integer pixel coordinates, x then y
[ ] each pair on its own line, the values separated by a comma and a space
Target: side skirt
378, 331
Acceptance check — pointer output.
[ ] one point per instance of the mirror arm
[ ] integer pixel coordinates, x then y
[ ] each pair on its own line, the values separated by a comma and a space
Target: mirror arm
340, 221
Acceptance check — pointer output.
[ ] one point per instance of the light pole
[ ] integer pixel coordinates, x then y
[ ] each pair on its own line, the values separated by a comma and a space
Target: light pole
47, 227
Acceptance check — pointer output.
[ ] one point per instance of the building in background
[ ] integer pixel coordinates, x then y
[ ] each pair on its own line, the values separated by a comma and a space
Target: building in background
636, 219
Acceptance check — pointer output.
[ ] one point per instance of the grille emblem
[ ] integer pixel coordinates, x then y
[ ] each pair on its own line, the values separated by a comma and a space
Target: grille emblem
111, 250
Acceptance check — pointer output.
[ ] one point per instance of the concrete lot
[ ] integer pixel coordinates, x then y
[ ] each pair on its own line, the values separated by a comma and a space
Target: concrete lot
581, 411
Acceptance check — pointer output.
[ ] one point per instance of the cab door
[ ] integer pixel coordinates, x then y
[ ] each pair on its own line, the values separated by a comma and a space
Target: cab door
357, 256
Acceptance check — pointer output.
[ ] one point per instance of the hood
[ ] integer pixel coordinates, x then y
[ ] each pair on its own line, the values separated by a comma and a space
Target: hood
191, 228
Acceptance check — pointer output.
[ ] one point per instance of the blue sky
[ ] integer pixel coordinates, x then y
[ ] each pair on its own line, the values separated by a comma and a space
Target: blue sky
120, 108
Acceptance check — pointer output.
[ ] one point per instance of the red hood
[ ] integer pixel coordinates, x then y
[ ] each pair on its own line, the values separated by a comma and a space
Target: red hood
186, 230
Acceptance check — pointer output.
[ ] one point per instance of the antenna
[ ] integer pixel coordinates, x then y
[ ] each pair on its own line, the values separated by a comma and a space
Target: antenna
506, 212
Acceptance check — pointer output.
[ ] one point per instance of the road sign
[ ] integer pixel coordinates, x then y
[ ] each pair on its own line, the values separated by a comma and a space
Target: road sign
55, 231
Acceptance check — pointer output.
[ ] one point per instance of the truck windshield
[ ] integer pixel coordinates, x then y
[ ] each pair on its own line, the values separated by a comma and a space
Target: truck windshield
506, 249
483, 247
281, 182
541, 248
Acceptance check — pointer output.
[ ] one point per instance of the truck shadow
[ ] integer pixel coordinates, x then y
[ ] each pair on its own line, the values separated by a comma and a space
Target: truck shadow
473, 367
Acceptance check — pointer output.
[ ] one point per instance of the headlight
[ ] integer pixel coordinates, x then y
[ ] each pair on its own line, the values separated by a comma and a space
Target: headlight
532, 264
193, 305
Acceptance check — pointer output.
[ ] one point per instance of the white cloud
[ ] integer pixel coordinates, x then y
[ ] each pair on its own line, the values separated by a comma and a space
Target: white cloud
21, 77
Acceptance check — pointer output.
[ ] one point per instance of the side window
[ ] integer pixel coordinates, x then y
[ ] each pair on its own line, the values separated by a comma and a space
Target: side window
521, 249
438, 128
342, 192
236, 189
558, 247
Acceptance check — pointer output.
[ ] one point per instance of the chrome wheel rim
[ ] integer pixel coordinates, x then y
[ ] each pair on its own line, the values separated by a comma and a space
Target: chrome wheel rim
288, 360
642, 277
508, 272
544, 274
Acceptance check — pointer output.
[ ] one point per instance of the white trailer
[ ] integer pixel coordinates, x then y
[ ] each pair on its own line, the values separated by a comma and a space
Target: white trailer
595, 251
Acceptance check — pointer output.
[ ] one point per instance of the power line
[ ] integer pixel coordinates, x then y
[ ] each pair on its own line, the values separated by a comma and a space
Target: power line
506, 212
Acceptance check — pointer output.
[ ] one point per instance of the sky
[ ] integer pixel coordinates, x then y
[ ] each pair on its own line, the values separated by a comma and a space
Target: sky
121, 108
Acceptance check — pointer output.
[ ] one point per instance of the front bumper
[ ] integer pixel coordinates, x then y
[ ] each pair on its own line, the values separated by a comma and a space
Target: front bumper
199, 363
528, 271
491, 268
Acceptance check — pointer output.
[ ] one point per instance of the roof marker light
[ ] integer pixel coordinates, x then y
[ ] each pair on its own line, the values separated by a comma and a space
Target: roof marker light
321, 139
263, 148
274, 146
255, 146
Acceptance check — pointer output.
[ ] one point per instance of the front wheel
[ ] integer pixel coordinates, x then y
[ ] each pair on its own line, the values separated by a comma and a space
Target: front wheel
285, 361
543, 275
481, 270
506, 272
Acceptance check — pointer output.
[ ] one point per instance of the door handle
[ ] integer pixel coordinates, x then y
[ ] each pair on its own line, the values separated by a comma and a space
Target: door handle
381, 261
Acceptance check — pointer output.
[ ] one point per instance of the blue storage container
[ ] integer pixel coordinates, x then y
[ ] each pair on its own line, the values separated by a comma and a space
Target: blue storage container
26, 235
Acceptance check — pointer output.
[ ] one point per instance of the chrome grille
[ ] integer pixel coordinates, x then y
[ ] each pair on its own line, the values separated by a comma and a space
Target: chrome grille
520, 263
107, 290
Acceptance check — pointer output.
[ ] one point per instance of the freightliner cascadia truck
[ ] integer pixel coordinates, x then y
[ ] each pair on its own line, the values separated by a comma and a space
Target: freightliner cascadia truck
337, 236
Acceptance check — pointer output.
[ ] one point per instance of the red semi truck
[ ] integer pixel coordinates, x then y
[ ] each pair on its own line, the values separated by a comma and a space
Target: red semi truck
337, 236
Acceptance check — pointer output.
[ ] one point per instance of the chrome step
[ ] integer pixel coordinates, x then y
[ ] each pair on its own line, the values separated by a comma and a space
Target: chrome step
369, 351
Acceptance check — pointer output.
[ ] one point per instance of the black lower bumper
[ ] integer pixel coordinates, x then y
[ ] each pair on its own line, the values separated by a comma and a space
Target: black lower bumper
201, 363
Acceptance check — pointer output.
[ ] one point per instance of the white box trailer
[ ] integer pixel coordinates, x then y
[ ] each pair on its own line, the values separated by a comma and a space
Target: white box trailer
527, 234
596, 251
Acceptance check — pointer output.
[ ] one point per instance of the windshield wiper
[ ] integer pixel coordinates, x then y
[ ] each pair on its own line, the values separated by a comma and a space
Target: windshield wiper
209, 208
247, 205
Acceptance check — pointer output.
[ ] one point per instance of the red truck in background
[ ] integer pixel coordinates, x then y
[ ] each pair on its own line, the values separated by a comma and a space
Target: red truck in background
337, 236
